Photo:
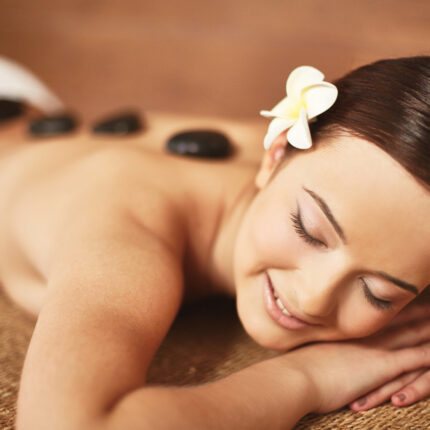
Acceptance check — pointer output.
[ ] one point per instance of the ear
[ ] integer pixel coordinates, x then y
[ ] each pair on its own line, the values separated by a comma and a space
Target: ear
271, 158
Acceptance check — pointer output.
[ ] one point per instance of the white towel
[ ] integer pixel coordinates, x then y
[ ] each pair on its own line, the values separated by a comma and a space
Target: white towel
18, 83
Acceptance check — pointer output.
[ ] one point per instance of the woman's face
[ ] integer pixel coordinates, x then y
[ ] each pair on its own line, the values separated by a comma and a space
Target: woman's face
320, 274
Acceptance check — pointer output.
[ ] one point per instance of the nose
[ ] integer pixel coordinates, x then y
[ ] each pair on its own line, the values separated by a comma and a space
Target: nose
317, 304
319, 293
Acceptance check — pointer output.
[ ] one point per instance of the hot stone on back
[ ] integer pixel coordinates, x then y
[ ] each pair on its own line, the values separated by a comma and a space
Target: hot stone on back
122, 124
52, 125
200, 143
10, 109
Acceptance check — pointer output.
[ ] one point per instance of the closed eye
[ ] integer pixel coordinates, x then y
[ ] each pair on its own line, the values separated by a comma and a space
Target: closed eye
378, 303
300, 229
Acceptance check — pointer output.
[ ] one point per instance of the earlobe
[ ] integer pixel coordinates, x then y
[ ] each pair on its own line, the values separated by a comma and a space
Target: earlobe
260, 179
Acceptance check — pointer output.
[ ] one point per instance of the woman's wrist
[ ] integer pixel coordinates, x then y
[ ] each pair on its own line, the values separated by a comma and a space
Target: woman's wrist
263, 395
279, 385
268, 394
296, 381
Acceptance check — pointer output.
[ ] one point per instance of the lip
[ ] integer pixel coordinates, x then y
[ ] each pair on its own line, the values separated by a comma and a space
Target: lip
273, 310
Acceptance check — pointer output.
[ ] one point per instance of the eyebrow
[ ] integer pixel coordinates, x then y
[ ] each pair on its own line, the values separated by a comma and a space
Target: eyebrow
328, 213
398, 282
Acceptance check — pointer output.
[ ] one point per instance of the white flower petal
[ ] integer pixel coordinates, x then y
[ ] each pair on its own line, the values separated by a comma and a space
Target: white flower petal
319, 98
282, 108
279, 110
300, 78
267, 113
276, 127
299, 134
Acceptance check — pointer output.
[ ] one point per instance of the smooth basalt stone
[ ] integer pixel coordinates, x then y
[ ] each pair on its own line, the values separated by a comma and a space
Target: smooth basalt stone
53, 125
119, 124
10, 109
200, 143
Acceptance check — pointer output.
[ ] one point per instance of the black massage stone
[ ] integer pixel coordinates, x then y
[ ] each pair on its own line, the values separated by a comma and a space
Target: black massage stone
119, 124
10, 109
200, 143
52, 125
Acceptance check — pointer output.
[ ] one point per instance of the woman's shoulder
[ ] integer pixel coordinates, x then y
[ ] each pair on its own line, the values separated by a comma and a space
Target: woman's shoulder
48, 187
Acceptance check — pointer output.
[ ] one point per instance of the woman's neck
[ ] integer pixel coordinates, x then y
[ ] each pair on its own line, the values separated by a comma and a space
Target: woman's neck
236, 203
213, 198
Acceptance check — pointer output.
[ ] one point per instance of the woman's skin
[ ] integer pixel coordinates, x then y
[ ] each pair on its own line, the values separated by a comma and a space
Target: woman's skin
229, 223
383, 230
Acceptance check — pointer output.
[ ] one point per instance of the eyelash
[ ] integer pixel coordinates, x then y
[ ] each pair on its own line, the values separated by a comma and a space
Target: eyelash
385, 305
300, 229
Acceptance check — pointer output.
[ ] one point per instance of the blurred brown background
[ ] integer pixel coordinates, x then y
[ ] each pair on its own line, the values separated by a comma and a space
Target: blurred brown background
223, 58
217, 58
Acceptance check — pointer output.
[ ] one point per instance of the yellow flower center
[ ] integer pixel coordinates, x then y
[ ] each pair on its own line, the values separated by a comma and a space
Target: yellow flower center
293, 109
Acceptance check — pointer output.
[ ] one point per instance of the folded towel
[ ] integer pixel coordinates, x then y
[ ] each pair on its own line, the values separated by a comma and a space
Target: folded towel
18, 83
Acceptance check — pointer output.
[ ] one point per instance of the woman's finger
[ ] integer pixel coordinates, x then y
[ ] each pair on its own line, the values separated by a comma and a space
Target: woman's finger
410, 313
402, 336
343, 372
417, 390
385, 392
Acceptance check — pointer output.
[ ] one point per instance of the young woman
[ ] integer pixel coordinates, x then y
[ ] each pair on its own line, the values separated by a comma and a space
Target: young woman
329, 242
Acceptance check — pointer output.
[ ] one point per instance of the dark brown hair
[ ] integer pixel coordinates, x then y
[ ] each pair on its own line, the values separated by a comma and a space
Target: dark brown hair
388, 103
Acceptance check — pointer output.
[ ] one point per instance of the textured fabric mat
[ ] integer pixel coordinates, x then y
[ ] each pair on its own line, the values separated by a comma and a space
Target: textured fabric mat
206, 342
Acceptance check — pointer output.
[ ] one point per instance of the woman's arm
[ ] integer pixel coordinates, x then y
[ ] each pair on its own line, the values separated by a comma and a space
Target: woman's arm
257, 397
276, 393
114, 291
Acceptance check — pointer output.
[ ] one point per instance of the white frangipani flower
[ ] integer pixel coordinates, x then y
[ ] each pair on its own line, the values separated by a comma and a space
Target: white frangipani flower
307, 96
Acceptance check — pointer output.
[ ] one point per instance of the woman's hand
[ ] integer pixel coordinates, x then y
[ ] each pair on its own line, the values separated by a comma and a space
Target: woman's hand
409, 387
343, 371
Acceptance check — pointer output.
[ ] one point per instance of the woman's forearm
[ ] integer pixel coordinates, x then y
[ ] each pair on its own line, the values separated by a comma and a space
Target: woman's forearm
257, 397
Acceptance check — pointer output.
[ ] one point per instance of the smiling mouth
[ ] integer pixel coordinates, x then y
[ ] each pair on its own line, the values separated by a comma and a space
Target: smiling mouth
279, 303
277, 309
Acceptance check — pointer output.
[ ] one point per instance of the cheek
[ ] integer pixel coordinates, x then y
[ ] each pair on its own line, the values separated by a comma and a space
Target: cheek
358, 319
267, 238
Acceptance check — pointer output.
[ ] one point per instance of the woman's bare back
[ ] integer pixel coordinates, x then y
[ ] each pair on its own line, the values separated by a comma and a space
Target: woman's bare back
48, 185
102, 240
35, 183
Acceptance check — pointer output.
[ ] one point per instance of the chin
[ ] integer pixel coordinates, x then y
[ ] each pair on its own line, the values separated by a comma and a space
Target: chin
263, 332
